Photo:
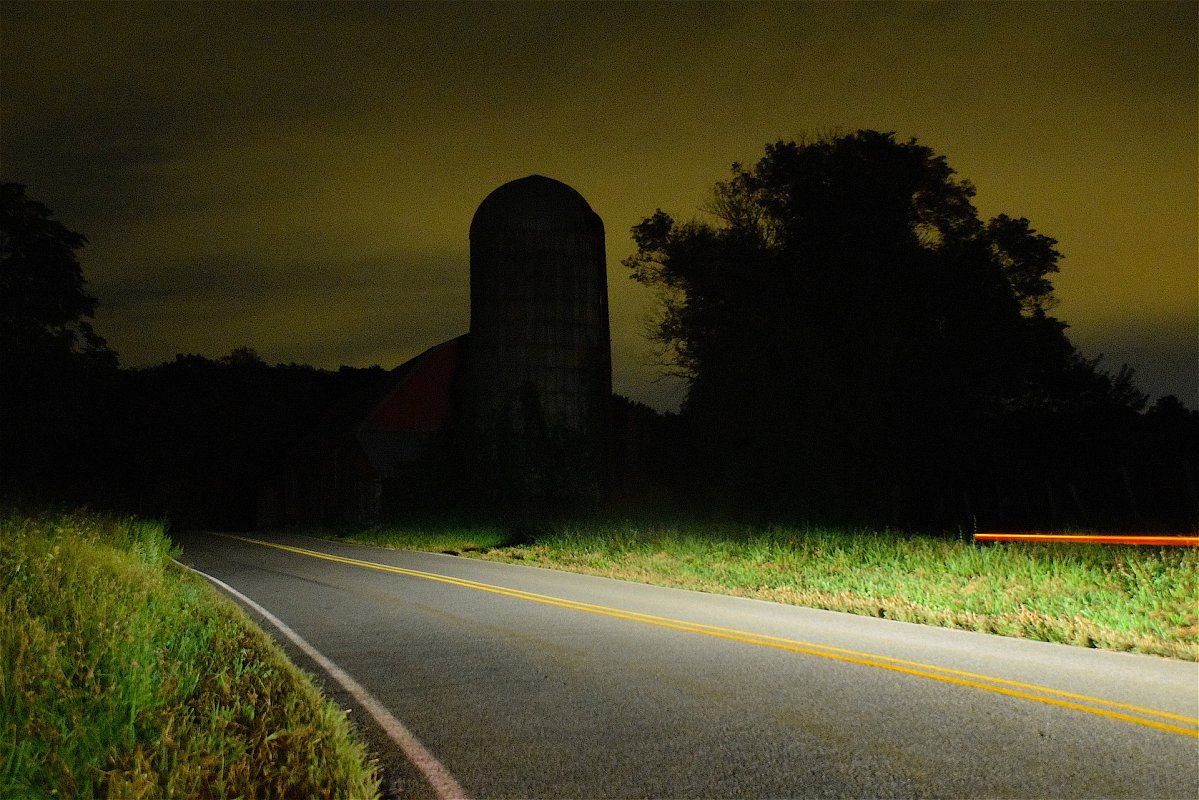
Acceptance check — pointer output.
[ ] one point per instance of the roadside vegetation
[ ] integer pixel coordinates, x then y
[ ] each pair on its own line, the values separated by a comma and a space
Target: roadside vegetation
1139, 599
122, 675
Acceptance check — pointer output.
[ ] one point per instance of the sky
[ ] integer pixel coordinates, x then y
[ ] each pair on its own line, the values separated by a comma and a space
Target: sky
300, 178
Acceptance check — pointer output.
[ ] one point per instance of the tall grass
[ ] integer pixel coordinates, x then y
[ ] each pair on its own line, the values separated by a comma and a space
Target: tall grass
122, 676
1121, 598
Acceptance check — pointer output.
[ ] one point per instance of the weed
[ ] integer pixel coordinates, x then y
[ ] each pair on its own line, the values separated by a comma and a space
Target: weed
123, 676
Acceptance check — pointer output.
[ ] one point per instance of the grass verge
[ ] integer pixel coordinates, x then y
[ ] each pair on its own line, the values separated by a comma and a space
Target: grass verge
121, 675
1138, 599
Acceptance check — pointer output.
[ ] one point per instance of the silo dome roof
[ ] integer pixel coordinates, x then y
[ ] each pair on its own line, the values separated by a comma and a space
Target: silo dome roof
535, 203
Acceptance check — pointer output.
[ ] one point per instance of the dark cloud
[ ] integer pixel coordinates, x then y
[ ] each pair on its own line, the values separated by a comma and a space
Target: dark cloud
356, 313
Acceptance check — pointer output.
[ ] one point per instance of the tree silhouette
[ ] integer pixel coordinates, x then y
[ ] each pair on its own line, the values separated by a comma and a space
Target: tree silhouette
1027, 258
852, 333
45, 311
53, 365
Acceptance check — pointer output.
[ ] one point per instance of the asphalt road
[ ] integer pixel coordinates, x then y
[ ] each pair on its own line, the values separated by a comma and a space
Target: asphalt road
526, 682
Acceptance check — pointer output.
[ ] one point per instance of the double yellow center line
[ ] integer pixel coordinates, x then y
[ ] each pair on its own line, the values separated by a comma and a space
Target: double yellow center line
1137, 715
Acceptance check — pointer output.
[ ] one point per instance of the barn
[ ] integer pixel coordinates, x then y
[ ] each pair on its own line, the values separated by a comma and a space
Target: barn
370, 453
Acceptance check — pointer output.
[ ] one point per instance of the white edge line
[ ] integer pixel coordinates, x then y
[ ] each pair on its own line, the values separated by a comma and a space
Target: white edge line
434, 771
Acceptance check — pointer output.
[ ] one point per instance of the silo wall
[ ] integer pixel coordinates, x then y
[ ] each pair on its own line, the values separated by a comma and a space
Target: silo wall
539, 371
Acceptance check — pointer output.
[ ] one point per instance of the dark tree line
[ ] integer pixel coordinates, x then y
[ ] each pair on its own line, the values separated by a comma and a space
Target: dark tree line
861, 347
192, 438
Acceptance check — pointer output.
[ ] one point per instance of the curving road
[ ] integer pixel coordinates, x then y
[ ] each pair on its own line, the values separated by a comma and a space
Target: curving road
526, 682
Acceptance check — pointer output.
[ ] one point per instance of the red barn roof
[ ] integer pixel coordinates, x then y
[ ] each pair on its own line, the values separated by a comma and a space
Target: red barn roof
417, 405
420, 400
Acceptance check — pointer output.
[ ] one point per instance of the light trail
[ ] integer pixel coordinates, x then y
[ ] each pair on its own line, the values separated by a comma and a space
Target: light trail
1089, 538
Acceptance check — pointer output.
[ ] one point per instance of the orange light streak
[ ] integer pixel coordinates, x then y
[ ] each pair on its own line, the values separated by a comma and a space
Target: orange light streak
1088, 538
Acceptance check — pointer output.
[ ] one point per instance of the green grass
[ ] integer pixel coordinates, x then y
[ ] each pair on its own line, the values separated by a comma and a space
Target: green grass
436, 536
1129, 598
121, 675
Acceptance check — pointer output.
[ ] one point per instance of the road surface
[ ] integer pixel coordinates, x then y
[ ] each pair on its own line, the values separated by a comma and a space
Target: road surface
525, 682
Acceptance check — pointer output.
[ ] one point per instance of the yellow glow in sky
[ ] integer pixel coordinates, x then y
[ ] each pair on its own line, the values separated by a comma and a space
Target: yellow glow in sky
300, 178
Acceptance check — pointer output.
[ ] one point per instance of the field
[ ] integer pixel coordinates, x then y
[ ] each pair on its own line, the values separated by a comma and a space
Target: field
1139, 599
123, 676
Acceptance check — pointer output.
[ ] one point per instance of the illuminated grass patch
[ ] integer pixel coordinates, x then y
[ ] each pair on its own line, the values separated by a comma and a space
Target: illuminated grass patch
1140, 599
456, 538
123, 676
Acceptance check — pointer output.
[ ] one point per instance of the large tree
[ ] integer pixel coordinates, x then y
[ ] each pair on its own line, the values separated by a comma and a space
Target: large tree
45, 311
53, 365
849, 327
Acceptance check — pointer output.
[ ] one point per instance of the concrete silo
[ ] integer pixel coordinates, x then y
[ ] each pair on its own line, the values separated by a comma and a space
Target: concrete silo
539, 373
